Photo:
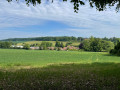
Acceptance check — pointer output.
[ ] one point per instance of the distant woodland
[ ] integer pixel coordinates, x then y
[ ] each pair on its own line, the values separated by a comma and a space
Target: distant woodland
62, 38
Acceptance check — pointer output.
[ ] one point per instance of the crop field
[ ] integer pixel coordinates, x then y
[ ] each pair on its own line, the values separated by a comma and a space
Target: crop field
58, 70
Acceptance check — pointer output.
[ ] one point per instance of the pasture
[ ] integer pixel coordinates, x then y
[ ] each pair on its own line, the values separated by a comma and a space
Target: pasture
58, 70
39, 58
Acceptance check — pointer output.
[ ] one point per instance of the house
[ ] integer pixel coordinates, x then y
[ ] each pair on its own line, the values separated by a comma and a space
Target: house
34, 48
14, 46
72, 47
19, 46
51, 48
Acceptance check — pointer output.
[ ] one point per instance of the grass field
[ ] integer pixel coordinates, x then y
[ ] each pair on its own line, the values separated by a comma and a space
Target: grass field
38, 58
58, 70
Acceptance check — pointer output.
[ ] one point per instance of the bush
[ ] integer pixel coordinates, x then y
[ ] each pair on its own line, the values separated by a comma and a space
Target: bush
116, 50
113, 51
26, 46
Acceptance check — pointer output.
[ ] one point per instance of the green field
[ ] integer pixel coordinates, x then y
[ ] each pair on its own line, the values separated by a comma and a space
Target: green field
58, 70
38, 58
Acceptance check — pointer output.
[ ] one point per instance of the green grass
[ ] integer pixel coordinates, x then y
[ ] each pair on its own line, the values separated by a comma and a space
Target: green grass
38, 58
58, 70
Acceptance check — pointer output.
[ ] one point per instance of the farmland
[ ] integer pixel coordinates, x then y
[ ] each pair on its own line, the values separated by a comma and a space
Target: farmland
38, 58
61, 70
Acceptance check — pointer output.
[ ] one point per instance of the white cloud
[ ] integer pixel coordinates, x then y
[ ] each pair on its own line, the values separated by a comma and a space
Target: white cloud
97, 23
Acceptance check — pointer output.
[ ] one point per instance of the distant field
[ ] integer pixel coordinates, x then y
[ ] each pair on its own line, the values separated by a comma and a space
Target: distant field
53, 42
38, 58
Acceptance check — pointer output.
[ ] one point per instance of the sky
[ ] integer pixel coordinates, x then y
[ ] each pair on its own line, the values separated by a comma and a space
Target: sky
17, 20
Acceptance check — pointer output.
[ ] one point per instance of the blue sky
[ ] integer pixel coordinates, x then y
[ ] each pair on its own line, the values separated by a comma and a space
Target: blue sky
56, 19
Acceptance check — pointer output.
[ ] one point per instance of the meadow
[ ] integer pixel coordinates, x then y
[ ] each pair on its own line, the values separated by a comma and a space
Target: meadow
39, 58
58, 70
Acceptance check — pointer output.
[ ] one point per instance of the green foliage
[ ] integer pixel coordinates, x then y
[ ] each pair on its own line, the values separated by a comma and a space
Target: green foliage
26, 46
57, 44
81, 46
96, 45
116, 50
44, 45
62, 45
107, 45
35, 45
73, 40
86, 45
5, 44
64, 38
114, 40
68, 43
95, 76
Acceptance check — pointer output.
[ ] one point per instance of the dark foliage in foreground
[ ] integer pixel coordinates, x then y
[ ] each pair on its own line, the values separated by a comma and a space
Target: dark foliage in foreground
99, 4
96, 76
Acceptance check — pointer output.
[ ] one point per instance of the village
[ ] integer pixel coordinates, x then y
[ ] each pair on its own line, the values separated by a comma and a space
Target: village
48, 48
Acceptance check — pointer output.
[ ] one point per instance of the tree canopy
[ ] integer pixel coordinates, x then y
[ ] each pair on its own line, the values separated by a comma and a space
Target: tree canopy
100, 5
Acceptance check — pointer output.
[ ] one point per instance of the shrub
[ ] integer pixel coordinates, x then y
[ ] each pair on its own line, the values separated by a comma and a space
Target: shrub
116, 50
26, 46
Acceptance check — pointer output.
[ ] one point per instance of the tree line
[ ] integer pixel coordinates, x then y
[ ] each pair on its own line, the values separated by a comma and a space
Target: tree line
89, 44
62, 38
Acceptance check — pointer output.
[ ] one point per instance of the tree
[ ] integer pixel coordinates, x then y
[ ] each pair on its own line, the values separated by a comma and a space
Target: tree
62, 45
81, 46
116, 50
26, 46
96, 45
86, 45
99, 4
44, 45
107, 45
57, 44
5, 44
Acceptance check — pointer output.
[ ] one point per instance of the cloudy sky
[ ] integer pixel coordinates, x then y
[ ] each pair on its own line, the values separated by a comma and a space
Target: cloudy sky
56, 19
